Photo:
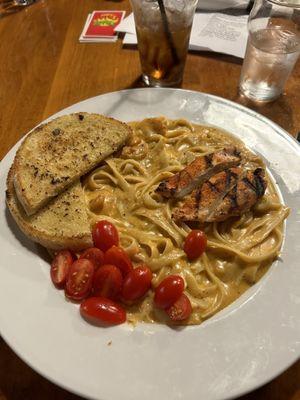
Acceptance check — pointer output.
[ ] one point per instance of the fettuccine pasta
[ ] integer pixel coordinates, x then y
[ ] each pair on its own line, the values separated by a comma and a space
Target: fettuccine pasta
239, 250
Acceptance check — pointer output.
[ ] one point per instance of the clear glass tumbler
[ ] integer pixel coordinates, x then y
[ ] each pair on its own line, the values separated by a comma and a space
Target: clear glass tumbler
163, 30
273, 48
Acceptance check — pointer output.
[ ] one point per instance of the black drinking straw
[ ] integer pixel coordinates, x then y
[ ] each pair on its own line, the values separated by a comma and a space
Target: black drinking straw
167, 30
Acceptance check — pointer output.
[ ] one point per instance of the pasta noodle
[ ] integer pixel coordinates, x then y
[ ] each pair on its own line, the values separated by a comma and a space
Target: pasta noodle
239, 250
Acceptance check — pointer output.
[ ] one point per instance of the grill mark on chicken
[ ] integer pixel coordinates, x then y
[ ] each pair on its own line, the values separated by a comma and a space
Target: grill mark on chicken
242, 197
199, 171
199, 205
260, 182
198, 198
212, 186
208, 159
233, 197
226, 194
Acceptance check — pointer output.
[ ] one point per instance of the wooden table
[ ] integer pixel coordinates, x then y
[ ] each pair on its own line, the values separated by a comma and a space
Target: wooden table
44, 69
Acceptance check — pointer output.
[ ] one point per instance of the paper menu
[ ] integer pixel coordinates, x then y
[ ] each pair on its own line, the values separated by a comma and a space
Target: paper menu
222, 4
220, 33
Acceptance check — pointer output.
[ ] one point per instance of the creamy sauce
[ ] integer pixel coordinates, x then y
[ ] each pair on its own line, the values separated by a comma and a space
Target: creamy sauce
240, 250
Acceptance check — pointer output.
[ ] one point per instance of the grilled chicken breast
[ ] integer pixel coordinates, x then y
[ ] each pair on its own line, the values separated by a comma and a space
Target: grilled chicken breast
199, 171
228, 193
244, 195
203, 200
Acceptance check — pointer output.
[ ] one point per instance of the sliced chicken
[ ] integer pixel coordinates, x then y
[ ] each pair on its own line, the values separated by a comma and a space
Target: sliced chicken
199, 171
202, 201
228, 193
244, 195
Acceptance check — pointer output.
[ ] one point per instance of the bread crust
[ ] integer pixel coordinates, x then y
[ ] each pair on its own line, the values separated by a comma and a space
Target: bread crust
56, 154
48, 226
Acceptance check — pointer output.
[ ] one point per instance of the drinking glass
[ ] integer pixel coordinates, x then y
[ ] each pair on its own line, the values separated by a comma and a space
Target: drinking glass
163, 30
272, 50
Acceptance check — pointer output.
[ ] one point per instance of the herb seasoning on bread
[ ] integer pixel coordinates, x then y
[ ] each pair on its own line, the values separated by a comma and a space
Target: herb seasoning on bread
56, 154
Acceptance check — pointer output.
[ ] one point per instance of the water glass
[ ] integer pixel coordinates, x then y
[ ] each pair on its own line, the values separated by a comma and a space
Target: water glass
163, 30
272, 50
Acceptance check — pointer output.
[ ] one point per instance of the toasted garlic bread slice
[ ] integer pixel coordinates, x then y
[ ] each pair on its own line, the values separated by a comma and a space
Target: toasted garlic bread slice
62, 224
56, 154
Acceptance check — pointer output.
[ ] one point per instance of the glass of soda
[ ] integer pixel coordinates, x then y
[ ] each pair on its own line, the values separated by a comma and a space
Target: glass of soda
272, 50
163, 30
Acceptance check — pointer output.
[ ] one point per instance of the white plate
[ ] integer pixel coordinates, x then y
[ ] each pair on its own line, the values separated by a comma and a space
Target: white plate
239, 349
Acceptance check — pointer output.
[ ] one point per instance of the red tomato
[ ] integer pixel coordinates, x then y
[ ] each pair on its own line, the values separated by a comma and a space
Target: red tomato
107, 282
118, 257
168, 291
80, 279
60, 267
181, 309
136, 283
102, 311
195, 244
105, 235
95, 255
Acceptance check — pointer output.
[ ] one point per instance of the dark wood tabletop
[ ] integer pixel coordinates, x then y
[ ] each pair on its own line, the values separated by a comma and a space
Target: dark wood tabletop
44, 68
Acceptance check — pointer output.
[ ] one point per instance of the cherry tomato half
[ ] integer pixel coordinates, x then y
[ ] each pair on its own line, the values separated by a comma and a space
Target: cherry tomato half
80, 279
102, 311
195, 244
105, 235
107, 282
136, 283
118, 257
168, 291
181, 309
60, 267
95, 255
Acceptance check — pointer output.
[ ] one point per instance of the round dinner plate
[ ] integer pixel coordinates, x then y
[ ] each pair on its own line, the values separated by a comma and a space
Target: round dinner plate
240, 348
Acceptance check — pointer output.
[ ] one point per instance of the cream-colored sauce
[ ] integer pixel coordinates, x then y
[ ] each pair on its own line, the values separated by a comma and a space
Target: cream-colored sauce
239, 251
